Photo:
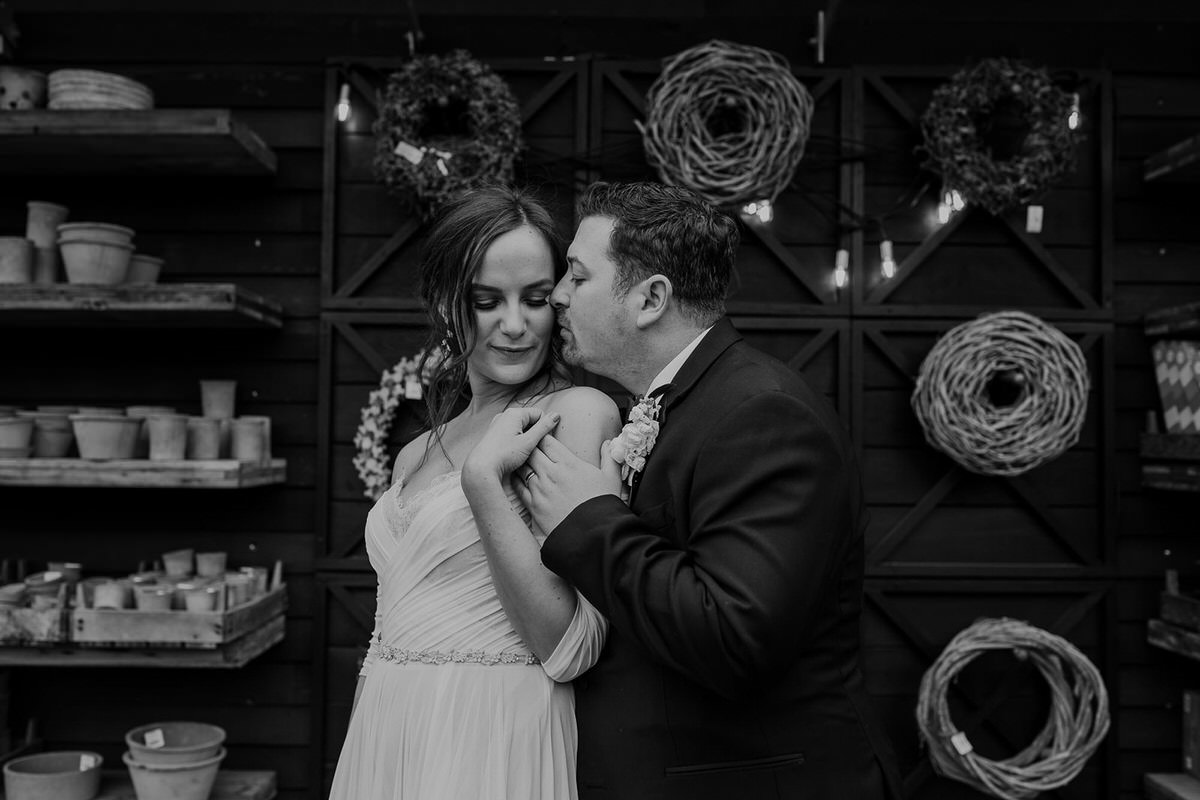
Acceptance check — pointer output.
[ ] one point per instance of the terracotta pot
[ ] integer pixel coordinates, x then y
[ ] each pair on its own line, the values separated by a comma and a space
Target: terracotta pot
192, 781
266, 424
94, 232
58, 775
21, 89
168, 436
210, 565
249, 440
42, 221
102, 438
152, 597
16, 260
203, 438
179, 743
98, 411
142, 412
143, 268
217, 398
94, 262
16, 432
46, 261
180, 563
53, 434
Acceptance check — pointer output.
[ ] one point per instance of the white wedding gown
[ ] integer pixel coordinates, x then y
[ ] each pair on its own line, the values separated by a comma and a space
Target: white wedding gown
451, 706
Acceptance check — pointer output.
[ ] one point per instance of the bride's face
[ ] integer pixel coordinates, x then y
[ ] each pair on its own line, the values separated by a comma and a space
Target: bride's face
514, 323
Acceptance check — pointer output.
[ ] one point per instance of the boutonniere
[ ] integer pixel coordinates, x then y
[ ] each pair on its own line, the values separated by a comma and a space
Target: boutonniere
637, 438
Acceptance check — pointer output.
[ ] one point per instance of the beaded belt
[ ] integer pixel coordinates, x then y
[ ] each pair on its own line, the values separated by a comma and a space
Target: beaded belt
398, 655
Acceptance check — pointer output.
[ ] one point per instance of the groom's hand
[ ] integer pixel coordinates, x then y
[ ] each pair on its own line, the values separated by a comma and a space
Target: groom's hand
554, 481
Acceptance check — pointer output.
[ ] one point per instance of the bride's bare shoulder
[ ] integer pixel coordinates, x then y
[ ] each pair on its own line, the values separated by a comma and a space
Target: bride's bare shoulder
580, 403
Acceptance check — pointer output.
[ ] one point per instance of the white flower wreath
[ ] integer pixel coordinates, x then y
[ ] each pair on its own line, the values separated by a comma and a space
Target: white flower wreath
405, 381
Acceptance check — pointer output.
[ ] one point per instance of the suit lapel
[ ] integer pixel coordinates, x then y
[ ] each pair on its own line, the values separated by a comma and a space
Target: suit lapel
722, 336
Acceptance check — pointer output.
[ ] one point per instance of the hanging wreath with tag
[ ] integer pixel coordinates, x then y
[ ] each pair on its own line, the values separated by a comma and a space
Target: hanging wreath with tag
407, 380
446, 124
728, 121
1000, 133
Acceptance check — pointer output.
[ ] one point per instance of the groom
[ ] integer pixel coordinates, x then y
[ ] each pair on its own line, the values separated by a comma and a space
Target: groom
733, 579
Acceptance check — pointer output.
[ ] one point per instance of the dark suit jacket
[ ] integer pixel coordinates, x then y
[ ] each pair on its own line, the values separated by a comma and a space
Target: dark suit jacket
733, 587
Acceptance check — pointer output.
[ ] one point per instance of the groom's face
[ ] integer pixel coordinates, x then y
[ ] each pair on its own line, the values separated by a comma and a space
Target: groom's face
594, 323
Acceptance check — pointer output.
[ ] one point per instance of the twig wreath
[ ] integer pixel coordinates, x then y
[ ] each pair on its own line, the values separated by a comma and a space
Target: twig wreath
999, 133
1077, 722
1002, 394
728, 121
407, 380
446, 123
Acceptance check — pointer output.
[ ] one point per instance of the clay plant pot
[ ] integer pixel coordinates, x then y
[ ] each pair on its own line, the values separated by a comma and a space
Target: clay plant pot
42, 221
53, 434
249, 439
104, 438
16, 260
93, 262
192, 781
210, 565
94, 232
143, 412
167, 744
21, 89
16, 433
112, 594
152, 597
46, 261
168, 436
180, 563
143, 268
203, 439
58, 775
217, 398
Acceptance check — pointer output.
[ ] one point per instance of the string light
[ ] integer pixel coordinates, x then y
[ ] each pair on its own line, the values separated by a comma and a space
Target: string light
343, 103
1074, 118
888, 261
761, 209
841, 269
952, 202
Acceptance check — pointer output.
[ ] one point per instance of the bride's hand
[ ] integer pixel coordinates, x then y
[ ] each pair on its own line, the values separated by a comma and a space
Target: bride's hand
506, 444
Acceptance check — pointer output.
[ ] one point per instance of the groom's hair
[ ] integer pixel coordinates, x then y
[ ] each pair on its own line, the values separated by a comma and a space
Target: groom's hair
669, 230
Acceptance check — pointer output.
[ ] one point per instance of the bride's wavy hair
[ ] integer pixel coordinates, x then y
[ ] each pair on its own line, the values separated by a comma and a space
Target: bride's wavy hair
461, 234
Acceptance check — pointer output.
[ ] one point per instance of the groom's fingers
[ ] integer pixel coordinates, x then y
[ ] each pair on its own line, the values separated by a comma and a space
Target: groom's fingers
541, 426
554, 449
608, 465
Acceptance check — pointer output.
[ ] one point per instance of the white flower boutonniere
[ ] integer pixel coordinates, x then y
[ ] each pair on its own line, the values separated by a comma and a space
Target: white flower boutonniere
636, 439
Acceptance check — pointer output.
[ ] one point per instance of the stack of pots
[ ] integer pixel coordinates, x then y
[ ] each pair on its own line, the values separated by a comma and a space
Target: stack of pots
95, 252
178, 760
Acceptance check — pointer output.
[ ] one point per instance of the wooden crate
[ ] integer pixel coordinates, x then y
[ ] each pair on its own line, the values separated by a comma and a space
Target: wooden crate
28, 626
128, 628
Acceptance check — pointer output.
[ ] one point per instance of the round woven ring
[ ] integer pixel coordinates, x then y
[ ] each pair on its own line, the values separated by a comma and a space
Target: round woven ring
728, 121
956, 147
1077, 722
446, 124
1042, 371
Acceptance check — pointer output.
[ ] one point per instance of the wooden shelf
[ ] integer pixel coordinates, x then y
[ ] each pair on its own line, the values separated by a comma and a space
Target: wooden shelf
1171, 786
1175, 638
206, 141
159, 305
231, 784
1179, 163
1177, 476
222, 474
232, 655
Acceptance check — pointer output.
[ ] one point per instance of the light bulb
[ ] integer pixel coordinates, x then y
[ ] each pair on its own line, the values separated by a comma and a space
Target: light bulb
943, 213
762, 209
343, 103
956, 200
1074, 118
841, 269
888, 261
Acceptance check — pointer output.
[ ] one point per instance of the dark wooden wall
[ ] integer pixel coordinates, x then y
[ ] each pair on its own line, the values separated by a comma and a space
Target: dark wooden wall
1078, 544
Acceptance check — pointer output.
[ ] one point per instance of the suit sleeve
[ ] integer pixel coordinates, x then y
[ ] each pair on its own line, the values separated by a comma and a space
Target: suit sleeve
727, 602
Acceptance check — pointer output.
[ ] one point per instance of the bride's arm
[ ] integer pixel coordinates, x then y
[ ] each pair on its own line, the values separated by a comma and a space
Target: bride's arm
539, 604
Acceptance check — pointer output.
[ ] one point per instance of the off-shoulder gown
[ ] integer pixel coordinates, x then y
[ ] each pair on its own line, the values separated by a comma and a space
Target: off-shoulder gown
453, 704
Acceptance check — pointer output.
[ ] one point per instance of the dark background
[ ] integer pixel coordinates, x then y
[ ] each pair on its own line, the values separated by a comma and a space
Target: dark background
1075, 546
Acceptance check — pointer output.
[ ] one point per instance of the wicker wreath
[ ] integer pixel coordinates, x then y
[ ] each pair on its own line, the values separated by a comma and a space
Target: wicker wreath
1003, 393
956, 128
446, 123
1075, 726
407, 380
728, 121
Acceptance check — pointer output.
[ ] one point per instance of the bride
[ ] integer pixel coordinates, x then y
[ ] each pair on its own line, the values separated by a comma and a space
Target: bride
463, 692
